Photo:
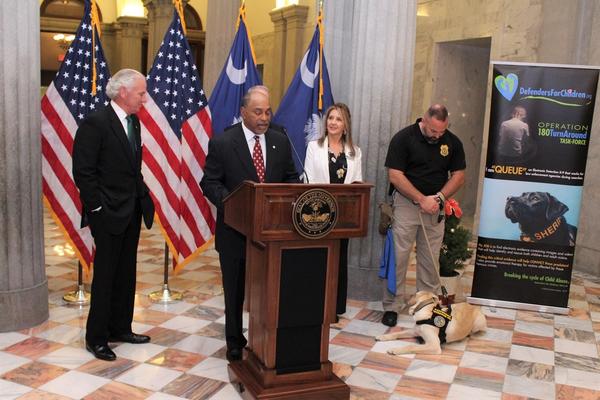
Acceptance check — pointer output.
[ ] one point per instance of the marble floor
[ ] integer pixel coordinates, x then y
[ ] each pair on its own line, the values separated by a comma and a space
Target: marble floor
522, 355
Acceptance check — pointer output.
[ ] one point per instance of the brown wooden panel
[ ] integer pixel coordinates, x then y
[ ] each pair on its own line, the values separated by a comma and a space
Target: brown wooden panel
263, 211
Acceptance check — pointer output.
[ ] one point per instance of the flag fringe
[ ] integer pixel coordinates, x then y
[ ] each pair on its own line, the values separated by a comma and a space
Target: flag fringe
174, 254
86, 267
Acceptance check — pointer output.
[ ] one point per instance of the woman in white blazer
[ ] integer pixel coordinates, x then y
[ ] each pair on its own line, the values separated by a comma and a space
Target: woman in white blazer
334, 158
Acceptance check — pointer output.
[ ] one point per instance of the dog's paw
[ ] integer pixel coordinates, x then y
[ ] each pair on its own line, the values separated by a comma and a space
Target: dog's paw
395, 352
385, 338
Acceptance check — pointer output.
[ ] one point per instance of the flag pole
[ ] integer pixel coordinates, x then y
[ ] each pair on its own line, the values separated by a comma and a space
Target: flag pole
166, 295
80, 296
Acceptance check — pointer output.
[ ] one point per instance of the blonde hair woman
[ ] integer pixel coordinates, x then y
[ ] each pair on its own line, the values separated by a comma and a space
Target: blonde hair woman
334, 158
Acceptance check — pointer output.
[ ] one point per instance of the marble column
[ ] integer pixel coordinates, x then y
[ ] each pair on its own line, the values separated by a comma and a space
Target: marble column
129, 33
23, 283
160, 14
370, 48
220, 31
289, 47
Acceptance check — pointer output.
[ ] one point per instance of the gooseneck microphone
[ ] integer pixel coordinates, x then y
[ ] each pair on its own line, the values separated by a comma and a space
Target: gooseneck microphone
281, 128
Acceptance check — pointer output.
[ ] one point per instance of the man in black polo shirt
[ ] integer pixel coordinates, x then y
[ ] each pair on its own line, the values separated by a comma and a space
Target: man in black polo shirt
426, 164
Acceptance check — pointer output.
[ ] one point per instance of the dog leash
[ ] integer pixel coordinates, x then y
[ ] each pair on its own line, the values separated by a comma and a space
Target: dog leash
435, 260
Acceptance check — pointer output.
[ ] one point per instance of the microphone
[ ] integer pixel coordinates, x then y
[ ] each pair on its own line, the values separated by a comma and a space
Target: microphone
281, 128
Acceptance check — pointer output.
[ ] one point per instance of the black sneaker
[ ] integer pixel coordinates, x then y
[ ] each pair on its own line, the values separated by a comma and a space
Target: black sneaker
389, 318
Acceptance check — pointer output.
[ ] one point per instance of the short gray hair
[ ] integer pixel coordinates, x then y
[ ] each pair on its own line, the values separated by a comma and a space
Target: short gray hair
258, 89
123, 78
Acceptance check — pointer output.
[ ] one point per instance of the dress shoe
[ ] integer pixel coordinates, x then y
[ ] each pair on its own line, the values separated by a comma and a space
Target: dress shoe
389, 318
130, 338
101, 351
234, 354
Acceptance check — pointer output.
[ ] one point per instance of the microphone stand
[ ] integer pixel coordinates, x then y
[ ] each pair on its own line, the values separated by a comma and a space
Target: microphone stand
282, 129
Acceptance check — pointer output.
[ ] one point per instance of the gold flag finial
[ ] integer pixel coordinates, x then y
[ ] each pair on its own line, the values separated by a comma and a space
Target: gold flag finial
321, 43
179, 7
95, 22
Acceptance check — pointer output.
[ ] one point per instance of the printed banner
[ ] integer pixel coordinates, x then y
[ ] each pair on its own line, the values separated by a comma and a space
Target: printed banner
539, 133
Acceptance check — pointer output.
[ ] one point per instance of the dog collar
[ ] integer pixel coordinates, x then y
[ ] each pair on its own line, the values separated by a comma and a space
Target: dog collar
547, 232
422, 304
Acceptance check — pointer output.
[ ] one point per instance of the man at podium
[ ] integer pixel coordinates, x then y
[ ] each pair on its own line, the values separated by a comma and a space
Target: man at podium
249, 150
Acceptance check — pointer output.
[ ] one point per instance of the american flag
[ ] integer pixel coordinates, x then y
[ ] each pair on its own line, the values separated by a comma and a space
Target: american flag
176, 128
69, 98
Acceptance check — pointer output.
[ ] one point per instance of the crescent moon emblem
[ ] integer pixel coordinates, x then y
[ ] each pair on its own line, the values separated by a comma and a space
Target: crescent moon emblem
236, 76
308, 77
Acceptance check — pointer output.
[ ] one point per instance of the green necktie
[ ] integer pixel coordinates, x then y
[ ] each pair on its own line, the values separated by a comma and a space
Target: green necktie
131, 133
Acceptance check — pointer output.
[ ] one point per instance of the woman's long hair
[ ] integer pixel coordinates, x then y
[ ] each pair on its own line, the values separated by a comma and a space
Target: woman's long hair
347, 135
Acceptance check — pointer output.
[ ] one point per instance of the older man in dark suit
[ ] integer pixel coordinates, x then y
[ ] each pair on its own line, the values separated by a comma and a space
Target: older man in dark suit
246, 151
107, 160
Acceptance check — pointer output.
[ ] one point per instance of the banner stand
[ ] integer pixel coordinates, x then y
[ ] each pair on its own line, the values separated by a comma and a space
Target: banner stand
540, 127
517, 305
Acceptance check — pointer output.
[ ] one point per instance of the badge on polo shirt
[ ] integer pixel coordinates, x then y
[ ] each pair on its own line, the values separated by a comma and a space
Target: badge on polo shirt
444, 150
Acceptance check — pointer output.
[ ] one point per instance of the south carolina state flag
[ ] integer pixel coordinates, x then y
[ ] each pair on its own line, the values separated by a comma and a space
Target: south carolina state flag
238, 75
308, 95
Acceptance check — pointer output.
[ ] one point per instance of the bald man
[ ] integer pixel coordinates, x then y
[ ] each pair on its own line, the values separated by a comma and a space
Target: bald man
245, 151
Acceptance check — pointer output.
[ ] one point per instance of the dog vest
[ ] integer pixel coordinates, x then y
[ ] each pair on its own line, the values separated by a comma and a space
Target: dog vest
440, 319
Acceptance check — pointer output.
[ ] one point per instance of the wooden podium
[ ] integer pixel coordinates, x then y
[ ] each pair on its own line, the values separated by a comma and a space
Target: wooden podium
292, 283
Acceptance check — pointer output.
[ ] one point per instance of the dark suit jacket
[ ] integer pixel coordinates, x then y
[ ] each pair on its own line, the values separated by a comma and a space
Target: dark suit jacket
107, 172
229, 163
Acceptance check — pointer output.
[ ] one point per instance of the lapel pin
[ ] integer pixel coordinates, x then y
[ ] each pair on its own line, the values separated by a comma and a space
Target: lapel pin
273, 146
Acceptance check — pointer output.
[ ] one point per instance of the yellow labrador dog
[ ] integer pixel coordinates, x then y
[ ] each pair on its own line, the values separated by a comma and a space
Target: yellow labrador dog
431, 320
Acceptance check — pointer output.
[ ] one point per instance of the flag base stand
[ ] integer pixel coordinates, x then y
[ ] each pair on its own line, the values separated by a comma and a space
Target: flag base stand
166, 295
78, 297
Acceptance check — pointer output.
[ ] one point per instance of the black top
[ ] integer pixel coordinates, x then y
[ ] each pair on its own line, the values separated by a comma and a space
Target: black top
338, 166
425, 165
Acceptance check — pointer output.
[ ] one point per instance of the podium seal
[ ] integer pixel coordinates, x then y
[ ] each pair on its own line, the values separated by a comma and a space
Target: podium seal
315, 213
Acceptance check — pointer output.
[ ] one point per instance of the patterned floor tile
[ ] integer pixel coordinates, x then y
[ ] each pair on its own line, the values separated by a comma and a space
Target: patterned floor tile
479, 378
528, 387
109, 370
566, 392
11, 390
34, 374
176, 359
538, 371
194, 387
540, 342
117, 390
74, 384
431, 371
373, 379
149, 377
385, 362
358, 341
460, 392
33, 348
522, 355
418, 388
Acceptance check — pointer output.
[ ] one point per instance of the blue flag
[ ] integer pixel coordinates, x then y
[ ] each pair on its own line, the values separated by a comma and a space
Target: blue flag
299, 111
239, 74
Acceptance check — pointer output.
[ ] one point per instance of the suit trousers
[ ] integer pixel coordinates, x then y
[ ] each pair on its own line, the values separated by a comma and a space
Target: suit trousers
407, 230
233, 271
113, 284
